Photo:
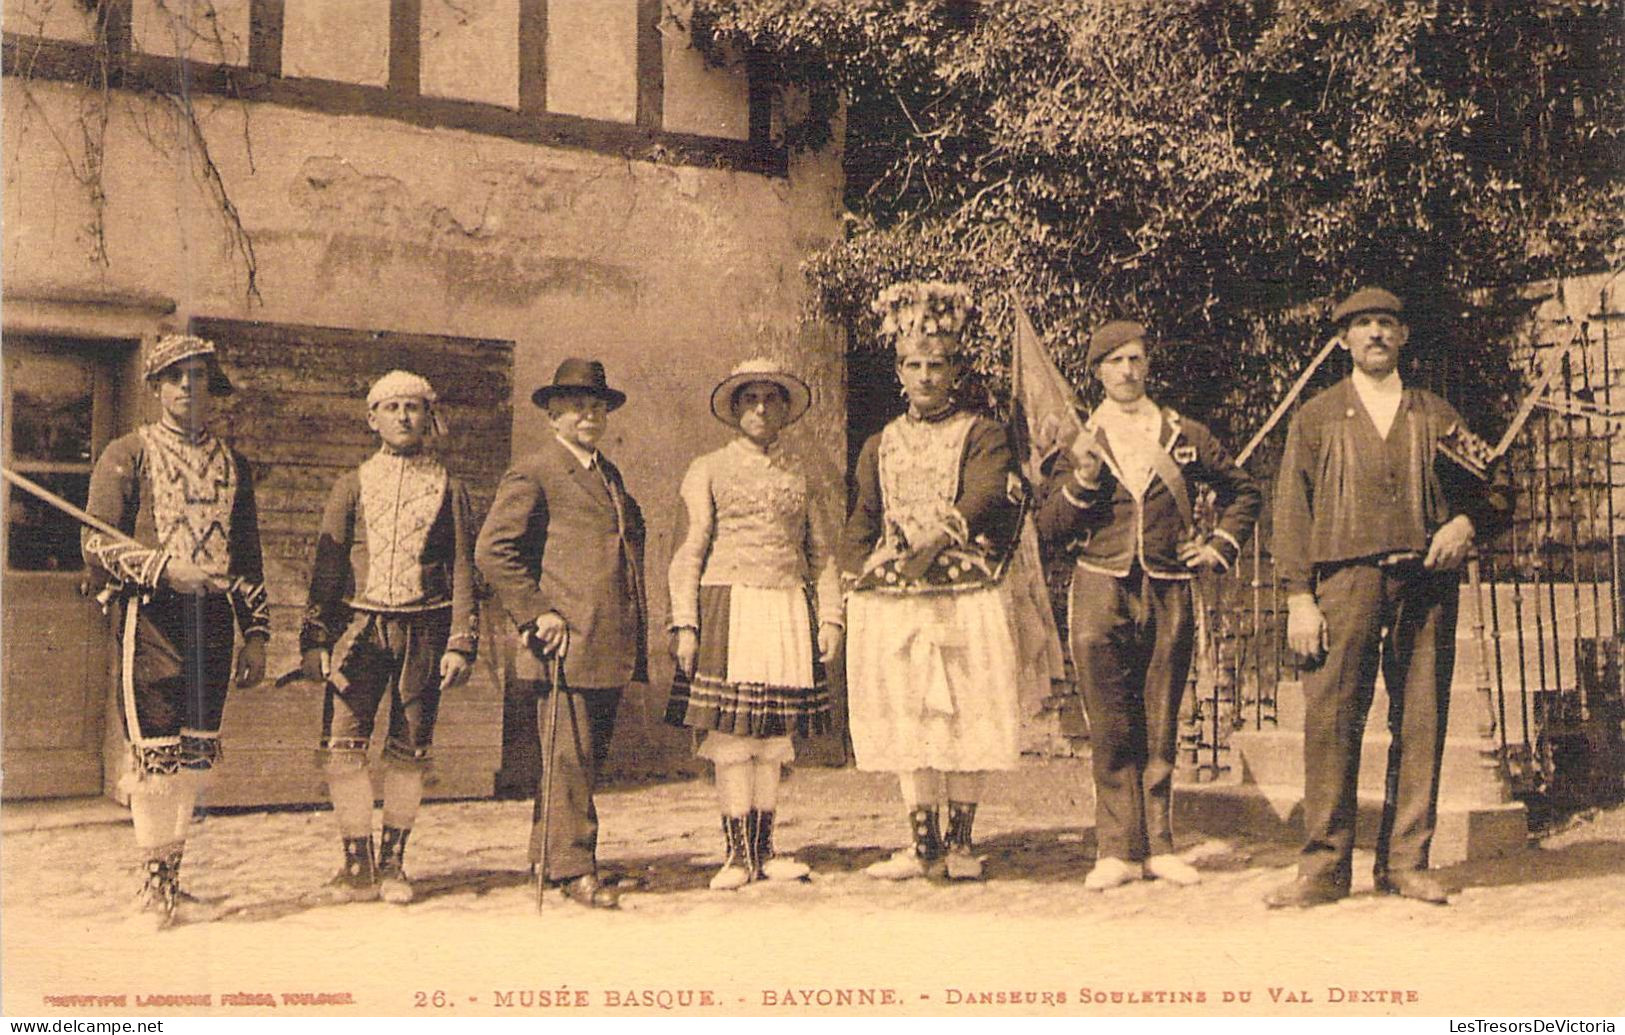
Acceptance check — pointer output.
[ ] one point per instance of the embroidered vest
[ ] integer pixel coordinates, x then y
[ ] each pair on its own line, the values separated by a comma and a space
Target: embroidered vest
400, 499
919, 478
919, 470
760, 503
194, 487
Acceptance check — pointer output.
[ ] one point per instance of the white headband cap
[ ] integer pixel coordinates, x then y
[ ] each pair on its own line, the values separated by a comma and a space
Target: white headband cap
398, 383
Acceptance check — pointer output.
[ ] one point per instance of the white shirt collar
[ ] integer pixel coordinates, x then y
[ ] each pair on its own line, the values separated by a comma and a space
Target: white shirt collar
586, 457
1380, 397
1142, 415
1365, 384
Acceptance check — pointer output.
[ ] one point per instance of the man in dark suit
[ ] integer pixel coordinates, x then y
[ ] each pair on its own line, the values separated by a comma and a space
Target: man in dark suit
563, 548
1370, 534
1123, 497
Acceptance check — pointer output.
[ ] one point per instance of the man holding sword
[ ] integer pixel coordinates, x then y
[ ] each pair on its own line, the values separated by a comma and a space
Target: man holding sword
174, 484
562, 547
1121, 499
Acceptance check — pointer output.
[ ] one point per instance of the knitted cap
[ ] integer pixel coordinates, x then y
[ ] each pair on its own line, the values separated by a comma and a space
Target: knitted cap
403, 384
398, 383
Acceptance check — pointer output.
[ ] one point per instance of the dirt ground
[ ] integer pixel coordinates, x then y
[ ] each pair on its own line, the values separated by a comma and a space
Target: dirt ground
1541, 932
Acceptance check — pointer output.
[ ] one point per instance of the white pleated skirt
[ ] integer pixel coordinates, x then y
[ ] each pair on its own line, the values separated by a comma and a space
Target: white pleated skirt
932, 681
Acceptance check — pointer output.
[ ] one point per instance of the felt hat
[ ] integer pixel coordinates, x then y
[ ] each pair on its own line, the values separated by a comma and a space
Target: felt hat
170, 349
1368, 300
1110, 337
752, 371
579, 375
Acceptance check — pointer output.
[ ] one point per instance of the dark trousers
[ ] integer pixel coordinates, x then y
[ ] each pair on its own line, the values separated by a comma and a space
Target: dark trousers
1406, 617
586, 723
378, 654
1132, 639
174, 691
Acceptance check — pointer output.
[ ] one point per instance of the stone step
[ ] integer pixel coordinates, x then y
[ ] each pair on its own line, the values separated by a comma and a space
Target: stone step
1538, 634
1468, 775
1466, 720
1275, 812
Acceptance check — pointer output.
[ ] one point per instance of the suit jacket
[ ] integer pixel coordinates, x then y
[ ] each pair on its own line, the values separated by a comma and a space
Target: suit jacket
557, 538
1110, 528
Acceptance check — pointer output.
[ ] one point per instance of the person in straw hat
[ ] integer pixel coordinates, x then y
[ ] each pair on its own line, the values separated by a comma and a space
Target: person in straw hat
762, 524
391, 611
190, 571
932, 659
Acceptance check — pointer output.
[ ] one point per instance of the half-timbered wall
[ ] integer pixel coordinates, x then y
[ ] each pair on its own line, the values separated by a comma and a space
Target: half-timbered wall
568, 176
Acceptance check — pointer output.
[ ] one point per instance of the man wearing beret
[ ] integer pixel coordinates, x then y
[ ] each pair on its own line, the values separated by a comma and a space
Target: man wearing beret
563, 548
1122, 498
1368, 540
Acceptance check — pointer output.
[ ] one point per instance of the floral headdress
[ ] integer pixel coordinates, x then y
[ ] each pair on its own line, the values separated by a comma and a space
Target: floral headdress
914, 310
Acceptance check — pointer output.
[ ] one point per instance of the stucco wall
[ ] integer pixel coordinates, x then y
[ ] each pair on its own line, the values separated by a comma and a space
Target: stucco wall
669, 274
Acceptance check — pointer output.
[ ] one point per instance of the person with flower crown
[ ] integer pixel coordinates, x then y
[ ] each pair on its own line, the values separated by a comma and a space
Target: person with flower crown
391, 611
190, 569
753, 577
932, 662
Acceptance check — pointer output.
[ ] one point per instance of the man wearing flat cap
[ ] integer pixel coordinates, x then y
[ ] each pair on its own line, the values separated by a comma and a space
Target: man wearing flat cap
562, 546
1368, 542
1122, 499
190, 571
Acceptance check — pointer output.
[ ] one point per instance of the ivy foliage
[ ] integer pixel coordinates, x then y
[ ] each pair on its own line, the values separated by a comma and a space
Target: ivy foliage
1220, 169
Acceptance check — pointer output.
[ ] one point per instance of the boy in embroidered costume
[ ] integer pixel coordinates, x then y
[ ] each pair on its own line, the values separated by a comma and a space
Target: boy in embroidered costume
1121, 496
391, 610
932, 665
761, 532
173, 484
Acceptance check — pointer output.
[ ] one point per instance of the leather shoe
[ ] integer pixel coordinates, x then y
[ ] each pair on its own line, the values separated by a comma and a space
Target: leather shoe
1305, 892
1417, 884
585, 890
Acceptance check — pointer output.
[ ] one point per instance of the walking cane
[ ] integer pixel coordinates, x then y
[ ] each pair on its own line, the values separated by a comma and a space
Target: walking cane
549, 751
